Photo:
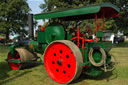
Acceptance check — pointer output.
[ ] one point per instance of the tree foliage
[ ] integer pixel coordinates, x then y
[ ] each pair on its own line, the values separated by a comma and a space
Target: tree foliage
13, 15
120, 23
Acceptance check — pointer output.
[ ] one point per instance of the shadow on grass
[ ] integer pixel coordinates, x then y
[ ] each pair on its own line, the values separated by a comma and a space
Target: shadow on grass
13, 78
104, 76
33, 65
4, 69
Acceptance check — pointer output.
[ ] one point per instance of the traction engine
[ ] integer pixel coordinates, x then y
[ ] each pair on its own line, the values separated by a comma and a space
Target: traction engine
65, 56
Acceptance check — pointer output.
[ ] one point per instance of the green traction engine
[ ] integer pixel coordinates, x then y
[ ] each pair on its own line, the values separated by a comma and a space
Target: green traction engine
66, 54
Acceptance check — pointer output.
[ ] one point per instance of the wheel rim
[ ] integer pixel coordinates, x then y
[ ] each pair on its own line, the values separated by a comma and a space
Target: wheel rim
14, 66
62, 63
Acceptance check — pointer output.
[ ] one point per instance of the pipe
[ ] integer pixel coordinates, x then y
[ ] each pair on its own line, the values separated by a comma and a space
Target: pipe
30, 24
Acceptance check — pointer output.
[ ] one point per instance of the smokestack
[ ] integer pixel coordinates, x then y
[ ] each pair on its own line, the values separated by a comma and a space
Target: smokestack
30, 24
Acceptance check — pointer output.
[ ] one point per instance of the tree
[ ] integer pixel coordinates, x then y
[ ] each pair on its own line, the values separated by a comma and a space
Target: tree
120, 23
13, 15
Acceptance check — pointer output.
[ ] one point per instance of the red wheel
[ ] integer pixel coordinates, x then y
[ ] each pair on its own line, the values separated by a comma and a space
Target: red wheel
24, 56
14, 66
62, 60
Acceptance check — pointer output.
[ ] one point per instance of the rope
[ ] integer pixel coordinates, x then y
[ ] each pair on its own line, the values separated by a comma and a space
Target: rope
92, 60
112, 63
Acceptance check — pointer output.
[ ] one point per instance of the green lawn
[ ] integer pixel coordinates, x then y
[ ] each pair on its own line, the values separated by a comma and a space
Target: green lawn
123, 44
38, 76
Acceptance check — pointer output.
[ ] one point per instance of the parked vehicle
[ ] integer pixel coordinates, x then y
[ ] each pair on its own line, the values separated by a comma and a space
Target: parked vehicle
11, 39
118, 39
108, 36
2, 40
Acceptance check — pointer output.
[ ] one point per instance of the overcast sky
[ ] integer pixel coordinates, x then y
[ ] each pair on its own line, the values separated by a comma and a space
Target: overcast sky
34, 5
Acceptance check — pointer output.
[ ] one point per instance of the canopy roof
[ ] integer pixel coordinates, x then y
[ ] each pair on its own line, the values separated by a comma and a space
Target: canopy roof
86, 12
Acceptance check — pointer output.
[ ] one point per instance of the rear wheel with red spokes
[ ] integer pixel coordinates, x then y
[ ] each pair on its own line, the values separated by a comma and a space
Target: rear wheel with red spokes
62, 60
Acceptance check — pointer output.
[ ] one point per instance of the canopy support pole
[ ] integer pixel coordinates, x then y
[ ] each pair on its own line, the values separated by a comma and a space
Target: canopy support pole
96, 27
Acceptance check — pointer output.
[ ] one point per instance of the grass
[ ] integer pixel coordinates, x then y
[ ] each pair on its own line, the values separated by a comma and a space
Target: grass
38, 76
123, 44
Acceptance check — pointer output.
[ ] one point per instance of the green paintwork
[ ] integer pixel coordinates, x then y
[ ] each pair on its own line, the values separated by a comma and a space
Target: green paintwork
41, 38
12, 50
41, 49
93, 71
19, 61
86, 64
33, 45
85, 53
54, 32
14, 60
99, 34
105, 45
71, 12
44, 47
36, 47
69, 35
97, 56
86, 11
108, 60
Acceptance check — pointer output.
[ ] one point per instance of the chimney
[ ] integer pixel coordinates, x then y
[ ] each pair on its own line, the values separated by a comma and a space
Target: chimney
30, 24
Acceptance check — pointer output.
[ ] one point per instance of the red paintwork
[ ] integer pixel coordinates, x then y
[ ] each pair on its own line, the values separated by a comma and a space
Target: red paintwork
103, 24
89, 30
82, 38
108, 12
31, 46
99, 26
14, 66
10, 39
83, 41
52, 55
99, 21
42, 29
96, 27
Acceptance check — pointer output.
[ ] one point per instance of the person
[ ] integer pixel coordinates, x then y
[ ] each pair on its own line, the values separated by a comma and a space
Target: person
36, 35
39, 27
88, 32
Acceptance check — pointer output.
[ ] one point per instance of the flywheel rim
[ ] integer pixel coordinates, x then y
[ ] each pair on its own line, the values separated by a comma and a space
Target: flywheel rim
63, 61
